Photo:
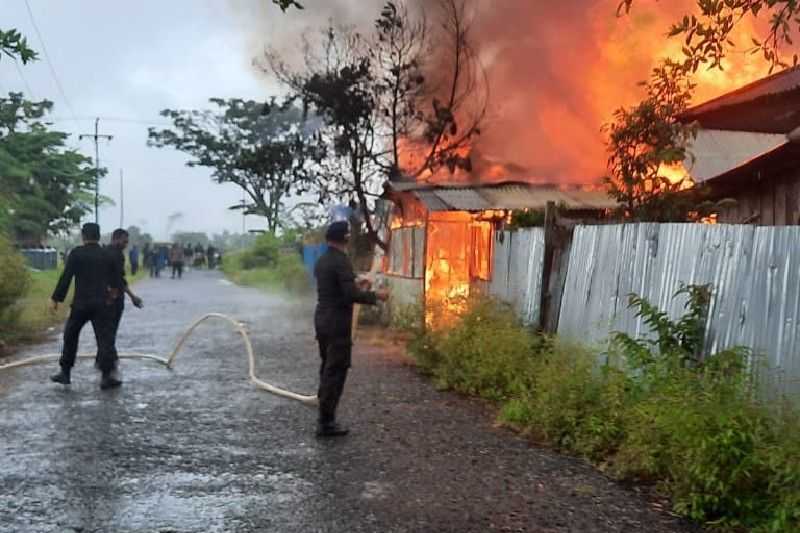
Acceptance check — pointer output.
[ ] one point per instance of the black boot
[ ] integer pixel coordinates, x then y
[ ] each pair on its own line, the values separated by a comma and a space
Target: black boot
109, 381
62, 377
331, 430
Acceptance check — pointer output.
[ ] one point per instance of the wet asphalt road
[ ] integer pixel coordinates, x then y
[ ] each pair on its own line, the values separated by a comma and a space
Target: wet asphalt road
198, 449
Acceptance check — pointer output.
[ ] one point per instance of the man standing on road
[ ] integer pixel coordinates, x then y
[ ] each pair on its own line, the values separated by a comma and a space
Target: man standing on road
96, 285
176, 260
133, 257
119, 241
337, 291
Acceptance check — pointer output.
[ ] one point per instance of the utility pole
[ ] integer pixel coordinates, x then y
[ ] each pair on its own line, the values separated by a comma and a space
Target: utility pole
96, 138
244, 215
121, 200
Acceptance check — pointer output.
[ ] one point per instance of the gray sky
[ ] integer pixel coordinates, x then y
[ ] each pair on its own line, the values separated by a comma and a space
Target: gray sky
125, 61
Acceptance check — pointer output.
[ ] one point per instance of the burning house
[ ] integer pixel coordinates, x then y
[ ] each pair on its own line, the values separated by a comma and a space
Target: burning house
748, 150
442, 237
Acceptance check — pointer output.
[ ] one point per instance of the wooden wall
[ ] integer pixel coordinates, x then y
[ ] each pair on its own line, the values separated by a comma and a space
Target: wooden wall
766, 201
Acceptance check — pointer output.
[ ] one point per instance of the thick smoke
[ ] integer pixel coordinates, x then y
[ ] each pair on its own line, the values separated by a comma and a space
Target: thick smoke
557, 69
557, 72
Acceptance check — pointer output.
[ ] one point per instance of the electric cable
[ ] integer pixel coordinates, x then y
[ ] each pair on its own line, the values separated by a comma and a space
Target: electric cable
47, 60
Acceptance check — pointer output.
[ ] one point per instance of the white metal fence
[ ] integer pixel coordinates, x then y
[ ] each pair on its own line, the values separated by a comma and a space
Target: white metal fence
754, 273
518, 271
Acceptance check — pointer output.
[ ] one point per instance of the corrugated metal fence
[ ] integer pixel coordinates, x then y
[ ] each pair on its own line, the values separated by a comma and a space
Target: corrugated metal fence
754, 272
518, 271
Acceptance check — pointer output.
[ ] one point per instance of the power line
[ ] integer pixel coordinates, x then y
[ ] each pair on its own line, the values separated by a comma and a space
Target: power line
47, 60
143, 121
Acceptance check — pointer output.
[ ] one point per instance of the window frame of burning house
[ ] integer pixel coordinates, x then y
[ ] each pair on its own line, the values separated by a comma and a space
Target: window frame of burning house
406, 252
481, 259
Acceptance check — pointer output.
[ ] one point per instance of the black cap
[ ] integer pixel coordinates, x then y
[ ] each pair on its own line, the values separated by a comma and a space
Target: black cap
91, 231
338, 232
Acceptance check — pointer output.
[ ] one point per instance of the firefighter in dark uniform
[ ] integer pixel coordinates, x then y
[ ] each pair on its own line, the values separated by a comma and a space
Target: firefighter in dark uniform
337, 291
119, 241
96, 284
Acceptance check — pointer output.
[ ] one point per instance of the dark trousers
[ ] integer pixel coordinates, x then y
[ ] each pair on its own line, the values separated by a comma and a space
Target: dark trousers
134, 267
177, 268
117, 309
335, 354
102, 319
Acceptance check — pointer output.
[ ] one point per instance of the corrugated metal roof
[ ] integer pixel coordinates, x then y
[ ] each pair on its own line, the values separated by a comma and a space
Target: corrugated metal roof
537, 197
431, 201
785, 81
463, 199
717, 152
512, 195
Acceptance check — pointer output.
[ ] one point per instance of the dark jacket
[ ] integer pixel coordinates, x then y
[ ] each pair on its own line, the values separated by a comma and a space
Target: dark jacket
119, 265
95, 271
336, 294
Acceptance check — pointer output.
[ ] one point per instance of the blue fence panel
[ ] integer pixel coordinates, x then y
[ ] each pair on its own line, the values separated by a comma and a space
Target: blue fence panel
311, 254
41, 258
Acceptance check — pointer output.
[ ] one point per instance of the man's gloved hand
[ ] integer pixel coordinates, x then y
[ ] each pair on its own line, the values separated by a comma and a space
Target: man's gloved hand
137, 302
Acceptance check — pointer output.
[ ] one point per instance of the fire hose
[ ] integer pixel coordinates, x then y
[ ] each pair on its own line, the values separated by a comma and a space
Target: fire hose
169, 361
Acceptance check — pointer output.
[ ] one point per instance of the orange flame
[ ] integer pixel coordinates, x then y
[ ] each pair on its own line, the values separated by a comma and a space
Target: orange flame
558, 70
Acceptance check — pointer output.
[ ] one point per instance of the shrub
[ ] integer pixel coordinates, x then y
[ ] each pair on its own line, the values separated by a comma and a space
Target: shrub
291, 273
649, 409
14, 281
487, 352
263, 254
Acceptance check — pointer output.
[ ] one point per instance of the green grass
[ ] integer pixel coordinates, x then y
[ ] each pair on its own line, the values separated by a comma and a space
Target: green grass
287, 275
33, 316
34, 313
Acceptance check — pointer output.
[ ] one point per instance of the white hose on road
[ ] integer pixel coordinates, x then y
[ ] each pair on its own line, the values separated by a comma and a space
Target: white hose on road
169, 361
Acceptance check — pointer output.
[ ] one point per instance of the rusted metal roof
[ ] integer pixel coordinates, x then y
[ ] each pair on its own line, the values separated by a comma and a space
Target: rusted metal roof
769, 105
509, 195
784, 81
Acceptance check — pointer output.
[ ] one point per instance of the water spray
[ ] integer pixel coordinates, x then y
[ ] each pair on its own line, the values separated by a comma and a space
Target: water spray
168, 362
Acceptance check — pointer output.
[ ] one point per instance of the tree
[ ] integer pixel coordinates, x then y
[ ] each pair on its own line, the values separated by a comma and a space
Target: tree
193, 237
430, 109
382, 99
15, 46
642, 140
138, 237
48, 187
708, 34
286, 4
269, 150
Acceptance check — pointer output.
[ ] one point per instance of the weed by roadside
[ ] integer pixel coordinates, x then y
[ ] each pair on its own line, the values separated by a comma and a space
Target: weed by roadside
266, 266
649, 410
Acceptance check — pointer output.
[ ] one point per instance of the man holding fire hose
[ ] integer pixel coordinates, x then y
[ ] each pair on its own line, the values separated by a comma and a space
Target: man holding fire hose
337, 291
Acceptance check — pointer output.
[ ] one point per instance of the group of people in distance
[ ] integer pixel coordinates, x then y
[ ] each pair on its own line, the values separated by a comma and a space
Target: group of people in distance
157, 257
